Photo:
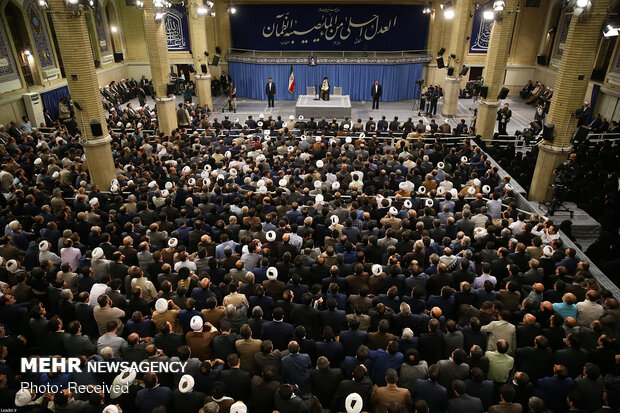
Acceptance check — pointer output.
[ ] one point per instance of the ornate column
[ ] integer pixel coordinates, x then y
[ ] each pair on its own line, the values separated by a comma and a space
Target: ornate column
457, 45
157, 46
495, 69
576, 66
198, 44
77, 57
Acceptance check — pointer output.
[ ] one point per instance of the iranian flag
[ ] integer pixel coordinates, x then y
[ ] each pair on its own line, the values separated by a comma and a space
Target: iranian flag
291, 81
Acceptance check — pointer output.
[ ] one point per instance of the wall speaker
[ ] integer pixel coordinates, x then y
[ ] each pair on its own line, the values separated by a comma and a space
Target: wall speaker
503, 94
170, 89
218, 50
451, 71
71, 125
547, 132
118, 57
440, 64
216, 60
97, 63
203, 68
541, 59
76, 105
484, 91
464, 71
95, 128
441, 51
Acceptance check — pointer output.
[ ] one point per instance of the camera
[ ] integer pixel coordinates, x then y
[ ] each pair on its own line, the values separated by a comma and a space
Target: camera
419, 82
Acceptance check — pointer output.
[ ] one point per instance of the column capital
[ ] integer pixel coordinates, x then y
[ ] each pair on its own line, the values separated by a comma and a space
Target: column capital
97, 141
489, 103
550, 148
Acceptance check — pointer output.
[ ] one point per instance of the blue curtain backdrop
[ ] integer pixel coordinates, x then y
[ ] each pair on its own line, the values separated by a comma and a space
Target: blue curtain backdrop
52, 98
398, 80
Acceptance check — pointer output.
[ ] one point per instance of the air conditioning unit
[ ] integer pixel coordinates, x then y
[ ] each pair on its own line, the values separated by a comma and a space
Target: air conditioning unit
34, 108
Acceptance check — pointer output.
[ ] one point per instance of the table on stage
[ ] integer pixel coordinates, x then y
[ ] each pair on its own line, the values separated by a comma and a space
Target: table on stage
336, 106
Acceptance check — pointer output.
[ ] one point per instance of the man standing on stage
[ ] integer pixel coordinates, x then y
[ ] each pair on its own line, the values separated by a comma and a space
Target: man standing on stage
270, 91
433, 98
324, 93
375, 92
503, 117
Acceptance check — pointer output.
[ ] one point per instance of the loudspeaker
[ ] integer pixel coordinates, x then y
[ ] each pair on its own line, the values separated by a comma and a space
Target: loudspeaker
440, 64
95, 128
191, 69
441, 51
71, 125
484, 91
451, 71
170, 89
581, 133
541, 59
547, 132
218, 50
464, 71
118, 57
203, 68
97, 63
216, 60
76, 105
503, 94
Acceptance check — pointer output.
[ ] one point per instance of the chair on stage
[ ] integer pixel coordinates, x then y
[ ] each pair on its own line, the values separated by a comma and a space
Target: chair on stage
310, 90
337, 90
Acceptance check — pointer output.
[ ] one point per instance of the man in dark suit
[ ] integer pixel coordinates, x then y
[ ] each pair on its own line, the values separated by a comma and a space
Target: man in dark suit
360, 384
429, 390
279, 332
152, 395
376, 92
237, 381
166, 340
462, 402
296, 368
325, 381
270, 91
352, 338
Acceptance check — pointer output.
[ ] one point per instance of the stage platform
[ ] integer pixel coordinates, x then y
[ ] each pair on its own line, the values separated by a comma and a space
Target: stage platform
335, 107
585, 229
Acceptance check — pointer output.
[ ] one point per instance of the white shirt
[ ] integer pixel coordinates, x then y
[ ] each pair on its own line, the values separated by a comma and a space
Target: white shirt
95, 291
325, 85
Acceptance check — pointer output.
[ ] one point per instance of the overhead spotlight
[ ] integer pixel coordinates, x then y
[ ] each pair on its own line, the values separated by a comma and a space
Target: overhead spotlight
488, 15
139, 4
209, 4
212, 14
27, 53
73, 2
159, 16
232, 10
158, 4
43, 4
448, 14
113, 29
427, 10
201, 11
499, 5
582, 3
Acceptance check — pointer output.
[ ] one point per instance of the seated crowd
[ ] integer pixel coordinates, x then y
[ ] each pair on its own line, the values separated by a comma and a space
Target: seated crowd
293, 273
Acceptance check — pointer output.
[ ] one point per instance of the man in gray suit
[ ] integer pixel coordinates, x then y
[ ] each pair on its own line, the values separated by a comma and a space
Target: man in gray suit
75, 343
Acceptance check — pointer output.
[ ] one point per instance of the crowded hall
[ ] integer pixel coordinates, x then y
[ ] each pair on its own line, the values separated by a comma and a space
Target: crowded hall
348, 206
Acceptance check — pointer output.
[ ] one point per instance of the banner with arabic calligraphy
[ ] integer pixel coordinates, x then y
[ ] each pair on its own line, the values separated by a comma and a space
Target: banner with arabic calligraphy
480, 33
177, 30
329, 27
